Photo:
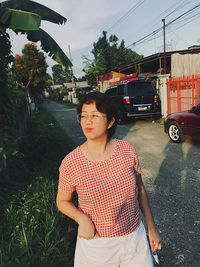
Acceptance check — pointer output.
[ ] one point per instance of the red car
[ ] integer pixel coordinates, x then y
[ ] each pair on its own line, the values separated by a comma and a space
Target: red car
181, 125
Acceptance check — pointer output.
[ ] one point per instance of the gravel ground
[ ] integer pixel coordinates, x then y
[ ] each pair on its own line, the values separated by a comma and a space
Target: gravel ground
171, 173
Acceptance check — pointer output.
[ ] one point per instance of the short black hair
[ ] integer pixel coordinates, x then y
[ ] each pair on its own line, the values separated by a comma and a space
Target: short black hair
104, 104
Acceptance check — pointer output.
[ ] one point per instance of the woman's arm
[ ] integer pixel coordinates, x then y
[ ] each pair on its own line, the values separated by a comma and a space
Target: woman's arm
154, 236
86, 227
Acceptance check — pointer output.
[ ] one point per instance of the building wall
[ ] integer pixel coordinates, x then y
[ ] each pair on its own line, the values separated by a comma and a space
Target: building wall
161, 83
185, 65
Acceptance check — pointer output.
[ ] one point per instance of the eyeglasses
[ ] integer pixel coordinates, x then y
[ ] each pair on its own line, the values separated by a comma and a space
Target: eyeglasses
93, 117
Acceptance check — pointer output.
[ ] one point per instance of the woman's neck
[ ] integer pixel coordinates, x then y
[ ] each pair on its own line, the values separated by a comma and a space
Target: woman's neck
99, 145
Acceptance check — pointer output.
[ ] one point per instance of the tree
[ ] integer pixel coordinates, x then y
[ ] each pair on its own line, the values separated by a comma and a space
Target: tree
108, 55
111, 54
59, 74
93, 68
9, 10
30, 70
5, 59
17, 19
25, 16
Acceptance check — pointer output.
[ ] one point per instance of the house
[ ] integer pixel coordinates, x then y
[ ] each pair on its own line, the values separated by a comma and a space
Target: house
73, 88
106, 78
155, 63
179, 63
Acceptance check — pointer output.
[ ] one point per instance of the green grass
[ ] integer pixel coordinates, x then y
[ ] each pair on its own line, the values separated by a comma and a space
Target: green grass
33, 232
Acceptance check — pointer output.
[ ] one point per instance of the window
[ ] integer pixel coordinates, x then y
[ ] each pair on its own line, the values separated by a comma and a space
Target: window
121, 89
113, 91
140, 88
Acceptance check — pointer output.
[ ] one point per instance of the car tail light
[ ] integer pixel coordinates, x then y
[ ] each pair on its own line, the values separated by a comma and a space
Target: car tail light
155, 99
126, 100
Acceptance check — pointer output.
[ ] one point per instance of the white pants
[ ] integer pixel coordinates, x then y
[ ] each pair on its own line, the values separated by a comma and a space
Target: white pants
125, 251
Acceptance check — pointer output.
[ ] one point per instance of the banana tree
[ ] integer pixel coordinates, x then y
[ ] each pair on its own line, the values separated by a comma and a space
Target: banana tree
12, 15
17, 19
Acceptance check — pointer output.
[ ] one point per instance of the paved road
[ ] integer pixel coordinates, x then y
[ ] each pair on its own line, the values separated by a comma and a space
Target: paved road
171, 173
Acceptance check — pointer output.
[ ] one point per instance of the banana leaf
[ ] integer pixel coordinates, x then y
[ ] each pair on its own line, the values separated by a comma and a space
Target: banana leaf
31, 6
49, 45
19, 20
47, 42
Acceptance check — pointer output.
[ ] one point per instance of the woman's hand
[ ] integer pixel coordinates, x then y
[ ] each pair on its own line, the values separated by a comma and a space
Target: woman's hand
86, 227
155, 239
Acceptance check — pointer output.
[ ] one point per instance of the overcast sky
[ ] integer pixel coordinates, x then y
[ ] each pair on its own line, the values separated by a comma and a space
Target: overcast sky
129, 20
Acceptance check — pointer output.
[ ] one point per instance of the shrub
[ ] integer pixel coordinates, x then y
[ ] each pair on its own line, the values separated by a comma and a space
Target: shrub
34, 232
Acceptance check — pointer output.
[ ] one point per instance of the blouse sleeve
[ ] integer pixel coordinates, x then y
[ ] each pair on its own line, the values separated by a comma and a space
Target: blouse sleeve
136, 163
65, 184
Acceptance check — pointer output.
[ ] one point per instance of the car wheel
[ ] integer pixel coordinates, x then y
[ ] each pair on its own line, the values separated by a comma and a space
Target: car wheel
175, 132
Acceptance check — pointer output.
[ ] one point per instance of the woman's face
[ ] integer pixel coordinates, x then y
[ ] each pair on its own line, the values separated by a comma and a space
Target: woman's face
94, 123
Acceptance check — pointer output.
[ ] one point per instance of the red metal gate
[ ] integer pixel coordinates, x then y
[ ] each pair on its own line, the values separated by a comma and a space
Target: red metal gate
182, 93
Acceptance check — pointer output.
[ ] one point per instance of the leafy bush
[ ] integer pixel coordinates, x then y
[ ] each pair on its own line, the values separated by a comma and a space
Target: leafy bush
46, 145
33, 232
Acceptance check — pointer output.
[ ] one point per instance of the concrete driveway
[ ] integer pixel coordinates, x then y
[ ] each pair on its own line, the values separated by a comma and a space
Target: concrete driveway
171, 173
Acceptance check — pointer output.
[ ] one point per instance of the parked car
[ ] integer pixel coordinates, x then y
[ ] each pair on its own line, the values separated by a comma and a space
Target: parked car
135, 99
181, 125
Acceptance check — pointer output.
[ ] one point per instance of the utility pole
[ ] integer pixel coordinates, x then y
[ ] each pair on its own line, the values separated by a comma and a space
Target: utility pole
163, 20
72, 75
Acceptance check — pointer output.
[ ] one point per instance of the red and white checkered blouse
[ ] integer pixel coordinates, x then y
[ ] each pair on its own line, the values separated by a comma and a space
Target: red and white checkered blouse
107, 190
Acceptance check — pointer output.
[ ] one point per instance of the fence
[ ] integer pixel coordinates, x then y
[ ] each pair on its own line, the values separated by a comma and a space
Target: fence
182, 93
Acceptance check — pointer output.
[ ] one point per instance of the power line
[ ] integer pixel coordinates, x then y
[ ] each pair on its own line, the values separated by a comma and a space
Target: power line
125, 16
130, 11
159, 29
177, 8
165, 11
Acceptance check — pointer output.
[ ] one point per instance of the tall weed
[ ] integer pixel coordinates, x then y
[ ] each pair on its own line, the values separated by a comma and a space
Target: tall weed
33, 232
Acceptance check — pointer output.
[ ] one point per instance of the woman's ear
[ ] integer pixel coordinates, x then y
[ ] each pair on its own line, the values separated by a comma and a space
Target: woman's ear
111, 123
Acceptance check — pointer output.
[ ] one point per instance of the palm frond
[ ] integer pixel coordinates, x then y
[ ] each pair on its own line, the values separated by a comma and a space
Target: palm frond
31, 6
49, 46
19, 20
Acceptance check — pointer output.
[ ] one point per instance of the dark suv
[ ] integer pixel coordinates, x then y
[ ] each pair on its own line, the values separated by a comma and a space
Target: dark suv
135, 99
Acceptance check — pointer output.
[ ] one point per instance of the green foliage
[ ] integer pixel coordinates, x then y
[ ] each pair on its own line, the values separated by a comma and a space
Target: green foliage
33, 232
17, 19
59, 74
48, 44
111, 54
44, 12
30, 70
8, 149
93, 68
46, 146
57, 94
108, 55
5, 59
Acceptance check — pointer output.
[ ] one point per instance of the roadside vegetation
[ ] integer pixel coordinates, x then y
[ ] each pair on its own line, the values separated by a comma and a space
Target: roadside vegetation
33, 232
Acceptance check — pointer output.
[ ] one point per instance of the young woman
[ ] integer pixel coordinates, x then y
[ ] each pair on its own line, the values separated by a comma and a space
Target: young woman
106, 174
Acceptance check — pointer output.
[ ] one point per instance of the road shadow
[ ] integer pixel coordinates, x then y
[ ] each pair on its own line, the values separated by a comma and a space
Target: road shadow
168, 179
176, 203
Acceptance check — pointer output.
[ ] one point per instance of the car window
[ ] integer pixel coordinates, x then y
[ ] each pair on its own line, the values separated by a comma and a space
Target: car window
108, 91
113, 91
121, 89
141, 88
